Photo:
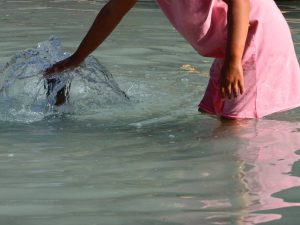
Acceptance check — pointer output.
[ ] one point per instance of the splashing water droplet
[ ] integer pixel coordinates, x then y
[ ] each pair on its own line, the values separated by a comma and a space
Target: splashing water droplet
25, 94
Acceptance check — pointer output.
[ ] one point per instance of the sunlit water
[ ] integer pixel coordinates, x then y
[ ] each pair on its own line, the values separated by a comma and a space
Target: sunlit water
150, 158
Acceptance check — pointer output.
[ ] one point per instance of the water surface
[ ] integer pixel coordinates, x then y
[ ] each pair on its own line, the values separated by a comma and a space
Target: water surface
153, 161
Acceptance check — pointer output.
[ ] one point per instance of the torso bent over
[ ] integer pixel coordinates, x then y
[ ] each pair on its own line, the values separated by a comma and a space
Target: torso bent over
270, 65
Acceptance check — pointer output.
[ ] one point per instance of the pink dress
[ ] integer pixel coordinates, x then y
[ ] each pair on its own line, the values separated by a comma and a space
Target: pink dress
271, 68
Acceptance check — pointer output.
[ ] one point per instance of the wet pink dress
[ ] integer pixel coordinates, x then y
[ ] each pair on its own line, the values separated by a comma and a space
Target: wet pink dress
271, 68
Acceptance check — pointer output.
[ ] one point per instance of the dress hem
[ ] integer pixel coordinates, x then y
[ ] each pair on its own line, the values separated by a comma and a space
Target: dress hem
206, 109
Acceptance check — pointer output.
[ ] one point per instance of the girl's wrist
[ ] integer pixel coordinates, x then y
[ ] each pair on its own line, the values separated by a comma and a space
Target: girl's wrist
232, 60
76, 58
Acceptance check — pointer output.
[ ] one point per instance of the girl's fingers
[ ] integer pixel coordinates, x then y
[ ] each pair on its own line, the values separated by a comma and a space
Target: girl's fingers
222, 91
232, 90
225, 91
228, 91
241, 86
235, 89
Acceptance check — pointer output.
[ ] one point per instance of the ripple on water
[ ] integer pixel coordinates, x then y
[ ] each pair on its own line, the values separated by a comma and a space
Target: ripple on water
25, 95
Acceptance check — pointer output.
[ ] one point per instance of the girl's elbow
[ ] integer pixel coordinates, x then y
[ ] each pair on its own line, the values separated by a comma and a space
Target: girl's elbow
119, 7
247, 2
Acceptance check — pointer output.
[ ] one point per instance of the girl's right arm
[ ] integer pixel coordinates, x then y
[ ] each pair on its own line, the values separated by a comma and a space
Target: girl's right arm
105, 22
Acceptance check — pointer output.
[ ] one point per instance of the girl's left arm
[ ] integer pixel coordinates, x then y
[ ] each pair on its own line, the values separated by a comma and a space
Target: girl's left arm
232, 78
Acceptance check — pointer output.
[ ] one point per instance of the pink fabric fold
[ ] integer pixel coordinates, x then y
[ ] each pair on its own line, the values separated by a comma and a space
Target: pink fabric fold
271, 68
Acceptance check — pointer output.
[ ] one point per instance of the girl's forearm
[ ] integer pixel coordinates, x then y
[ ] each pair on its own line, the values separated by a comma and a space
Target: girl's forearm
238, 24
105, 22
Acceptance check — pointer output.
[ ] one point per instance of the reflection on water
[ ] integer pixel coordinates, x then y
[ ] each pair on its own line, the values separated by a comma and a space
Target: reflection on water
268, 152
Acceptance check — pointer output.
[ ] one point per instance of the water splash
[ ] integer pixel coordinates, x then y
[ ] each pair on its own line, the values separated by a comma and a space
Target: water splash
23, 89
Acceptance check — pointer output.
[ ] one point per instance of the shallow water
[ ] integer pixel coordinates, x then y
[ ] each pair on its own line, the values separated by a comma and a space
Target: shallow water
154, 160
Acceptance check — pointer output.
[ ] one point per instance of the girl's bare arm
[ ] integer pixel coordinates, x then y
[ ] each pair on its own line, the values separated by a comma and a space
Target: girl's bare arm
232, 80
105, 22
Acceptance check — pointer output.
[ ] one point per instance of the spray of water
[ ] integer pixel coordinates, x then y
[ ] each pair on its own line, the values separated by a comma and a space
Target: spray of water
25, 94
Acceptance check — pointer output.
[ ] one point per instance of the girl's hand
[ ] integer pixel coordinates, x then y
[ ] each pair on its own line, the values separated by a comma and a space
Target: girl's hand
68, 63
231, 80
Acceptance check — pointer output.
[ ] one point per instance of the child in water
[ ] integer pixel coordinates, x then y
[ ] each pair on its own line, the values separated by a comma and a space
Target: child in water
255, 71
